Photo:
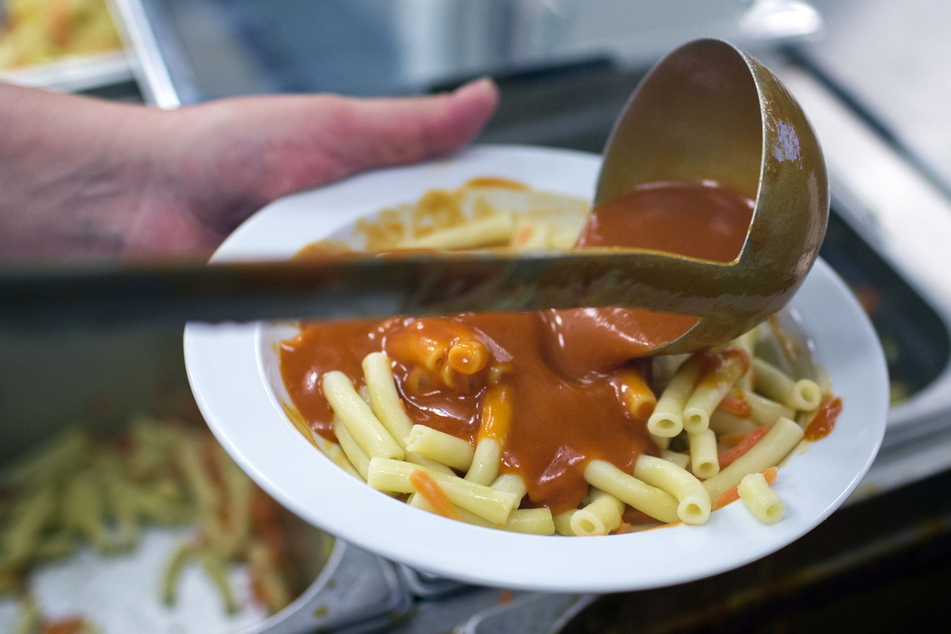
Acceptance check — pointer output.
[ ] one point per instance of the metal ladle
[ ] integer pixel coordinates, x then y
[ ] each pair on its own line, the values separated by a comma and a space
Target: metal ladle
711, 112
706, 112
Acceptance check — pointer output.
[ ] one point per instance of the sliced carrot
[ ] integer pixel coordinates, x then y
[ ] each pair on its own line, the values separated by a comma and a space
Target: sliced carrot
734, 403
733, 493
731, 440
745, 445
433, 493
823, 422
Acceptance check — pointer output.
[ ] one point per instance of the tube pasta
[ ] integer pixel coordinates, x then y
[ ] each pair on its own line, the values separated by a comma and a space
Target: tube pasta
384, 399
388, 408
441, 447
359, 419
761, 500
394, 475
765, 411
667, 419
496, 413
495, 420
530, 521
713, 385
693, 500
781, 439
339, 457
358, 458
602, 515
642, 496
703, 454
638, 397
772, 382
682, 460
485, 462
747, 343
511, 483
665, 366
562, 523
723, 423
662, 442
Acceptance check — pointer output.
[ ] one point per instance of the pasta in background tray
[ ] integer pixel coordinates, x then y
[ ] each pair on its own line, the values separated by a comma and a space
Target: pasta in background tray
60, 44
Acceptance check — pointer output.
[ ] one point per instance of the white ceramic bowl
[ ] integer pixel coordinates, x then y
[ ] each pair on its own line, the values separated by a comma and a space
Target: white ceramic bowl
234, 375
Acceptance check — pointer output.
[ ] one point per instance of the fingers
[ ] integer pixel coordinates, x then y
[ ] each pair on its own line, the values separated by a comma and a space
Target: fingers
347, 135
376, 133
236, 155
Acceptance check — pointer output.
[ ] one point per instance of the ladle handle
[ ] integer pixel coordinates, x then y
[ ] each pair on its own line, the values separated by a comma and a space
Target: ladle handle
114, 295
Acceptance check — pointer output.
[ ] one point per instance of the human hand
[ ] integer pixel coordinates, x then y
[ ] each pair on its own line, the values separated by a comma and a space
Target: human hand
84, 177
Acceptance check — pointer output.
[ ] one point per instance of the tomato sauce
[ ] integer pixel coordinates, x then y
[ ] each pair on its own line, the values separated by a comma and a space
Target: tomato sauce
560, 365
823, 422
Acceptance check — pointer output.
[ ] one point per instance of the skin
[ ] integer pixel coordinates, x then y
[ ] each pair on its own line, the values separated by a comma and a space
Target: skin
81, 177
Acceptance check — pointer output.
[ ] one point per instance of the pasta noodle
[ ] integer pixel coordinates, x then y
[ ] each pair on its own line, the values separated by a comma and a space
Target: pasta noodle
652, 500
442, 419
693, 501
358, 418
782, 437
668, 417
394, 475
712, 387
86, 490
760, 499
599, 517
441, 447
485, 462
703, 454
804, 394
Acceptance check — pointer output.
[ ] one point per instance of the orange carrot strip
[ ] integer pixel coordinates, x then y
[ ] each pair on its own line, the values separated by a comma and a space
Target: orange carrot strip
735, 404
823, 422
731, 440
433, 493
745, 445
733, 493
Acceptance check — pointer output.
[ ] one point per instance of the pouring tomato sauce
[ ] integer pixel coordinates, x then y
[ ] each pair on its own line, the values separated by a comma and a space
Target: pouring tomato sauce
561, 366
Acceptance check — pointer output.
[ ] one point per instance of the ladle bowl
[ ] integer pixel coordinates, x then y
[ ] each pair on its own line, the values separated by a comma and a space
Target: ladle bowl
709, 112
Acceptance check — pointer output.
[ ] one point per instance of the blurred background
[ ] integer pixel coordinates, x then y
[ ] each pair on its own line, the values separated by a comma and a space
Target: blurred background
872, 76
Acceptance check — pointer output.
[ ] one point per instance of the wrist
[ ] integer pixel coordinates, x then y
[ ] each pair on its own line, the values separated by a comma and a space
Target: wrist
63, 168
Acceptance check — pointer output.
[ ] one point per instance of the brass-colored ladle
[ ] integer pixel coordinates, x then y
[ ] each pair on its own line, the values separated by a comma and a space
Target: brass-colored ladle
711, 112
706, 112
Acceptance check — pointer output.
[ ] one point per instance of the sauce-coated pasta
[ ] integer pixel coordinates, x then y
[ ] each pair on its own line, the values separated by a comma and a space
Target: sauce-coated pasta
563, 401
